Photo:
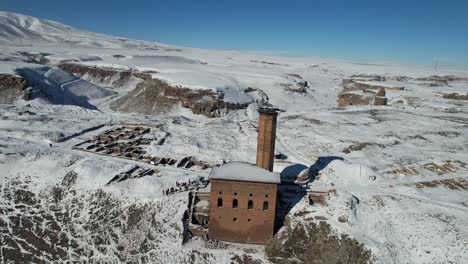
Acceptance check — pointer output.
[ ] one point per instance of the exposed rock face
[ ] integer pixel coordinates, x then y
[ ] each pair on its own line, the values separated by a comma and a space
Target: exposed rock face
259, 95
456, 96
39, 58
368, 77
314, 243
153, 96
298, 85
12, 88
56, 86
112, 78
436, 80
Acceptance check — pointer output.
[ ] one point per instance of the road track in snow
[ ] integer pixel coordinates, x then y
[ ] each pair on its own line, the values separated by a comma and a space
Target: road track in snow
296, 155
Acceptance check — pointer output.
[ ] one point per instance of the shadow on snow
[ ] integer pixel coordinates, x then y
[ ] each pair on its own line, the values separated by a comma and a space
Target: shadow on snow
290, 192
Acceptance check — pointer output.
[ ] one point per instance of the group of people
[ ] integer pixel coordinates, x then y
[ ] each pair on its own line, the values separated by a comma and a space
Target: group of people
183, 186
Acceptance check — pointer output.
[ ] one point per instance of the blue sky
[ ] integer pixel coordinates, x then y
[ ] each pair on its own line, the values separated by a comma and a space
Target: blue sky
419, 32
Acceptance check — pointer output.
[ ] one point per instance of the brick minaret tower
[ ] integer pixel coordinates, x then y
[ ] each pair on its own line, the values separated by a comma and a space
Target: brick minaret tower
266, 138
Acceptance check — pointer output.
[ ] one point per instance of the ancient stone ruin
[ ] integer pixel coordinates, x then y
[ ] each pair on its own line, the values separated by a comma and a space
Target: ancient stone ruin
240, 203
380, 98
357, 92
130, 142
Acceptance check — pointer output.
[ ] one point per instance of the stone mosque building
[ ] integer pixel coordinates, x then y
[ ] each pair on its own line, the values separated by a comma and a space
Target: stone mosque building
243, 196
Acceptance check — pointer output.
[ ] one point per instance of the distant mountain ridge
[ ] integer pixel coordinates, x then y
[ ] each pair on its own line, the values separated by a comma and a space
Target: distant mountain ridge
19, 29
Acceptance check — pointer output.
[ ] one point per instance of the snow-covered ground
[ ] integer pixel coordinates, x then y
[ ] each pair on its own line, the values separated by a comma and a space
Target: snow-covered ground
55, 203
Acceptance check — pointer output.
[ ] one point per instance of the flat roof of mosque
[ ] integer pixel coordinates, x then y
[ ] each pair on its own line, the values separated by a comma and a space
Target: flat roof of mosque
241, 171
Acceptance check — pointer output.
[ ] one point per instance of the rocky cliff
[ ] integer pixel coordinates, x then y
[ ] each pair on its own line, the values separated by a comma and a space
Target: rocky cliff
154, 96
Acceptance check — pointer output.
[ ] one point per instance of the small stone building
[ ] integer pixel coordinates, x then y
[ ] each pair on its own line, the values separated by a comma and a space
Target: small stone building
242, 203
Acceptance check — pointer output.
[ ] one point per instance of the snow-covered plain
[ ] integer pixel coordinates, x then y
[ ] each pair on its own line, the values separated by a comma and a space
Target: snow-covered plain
373, 157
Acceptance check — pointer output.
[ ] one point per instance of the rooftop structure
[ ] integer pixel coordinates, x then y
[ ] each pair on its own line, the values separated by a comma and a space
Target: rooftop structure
239, 171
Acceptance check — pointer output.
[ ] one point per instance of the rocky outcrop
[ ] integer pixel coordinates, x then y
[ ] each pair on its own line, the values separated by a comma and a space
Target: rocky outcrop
368, 77
12, 88
436, 80
455, 96
150, 95
33, 57
298, 85
154, 96
314, 242
107, 77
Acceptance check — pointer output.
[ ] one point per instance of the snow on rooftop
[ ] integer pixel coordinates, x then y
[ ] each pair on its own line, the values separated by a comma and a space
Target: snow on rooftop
240, 171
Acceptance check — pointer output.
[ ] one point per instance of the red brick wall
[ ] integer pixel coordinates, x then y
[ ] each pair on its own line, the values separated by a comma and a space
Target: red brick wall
242, 224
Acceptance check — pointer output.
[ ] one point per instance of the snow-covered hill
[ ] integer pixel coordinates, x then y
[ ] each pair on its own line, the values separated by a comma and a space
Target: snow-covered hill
396, 174
26, 30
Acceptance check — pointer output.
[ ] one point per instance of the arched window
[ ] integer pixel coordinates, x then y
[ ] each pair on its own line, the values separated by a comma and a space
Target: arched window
220, 202
265, 205
234, 203
250, 204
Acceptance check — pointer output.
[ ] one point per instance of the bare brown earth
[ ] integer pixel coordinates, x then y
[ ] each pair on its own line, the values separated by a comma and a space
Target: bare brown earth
453, 184
12, 88
439, 168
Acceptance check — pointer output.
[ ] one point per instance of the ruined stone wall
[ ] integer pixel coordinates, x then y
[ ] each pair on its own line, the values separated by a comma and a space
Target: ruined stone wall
347, 99
380, 100
242, 224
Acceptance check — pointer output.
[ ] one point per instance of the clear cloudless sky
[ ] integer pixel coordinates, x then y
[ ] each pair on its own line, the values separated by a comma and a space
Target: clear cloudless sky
411, 31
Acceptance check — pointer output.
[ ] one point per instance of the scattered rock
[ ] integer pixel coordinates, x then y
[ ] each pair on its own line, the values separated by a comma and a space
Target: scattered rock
343, 219
12, 88
455, 96
155, 96
107, 77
